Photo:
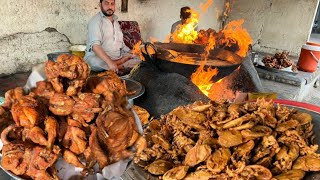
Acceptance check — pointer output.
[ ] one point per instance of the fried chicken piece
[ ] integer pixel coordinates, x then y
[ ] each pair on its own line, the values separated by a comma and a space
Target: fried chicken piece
41, 160
63, 127
75, 139
36, 135
115, 131
71, 158
86, 106
44, 158
89, 156
142, 113
43, 89
5, 118
28, 112
96, 149
51, 127
11, 96
61, 105
107, 85
75, 123
12, 134
69, 69
42, 174
14, 158
52, 71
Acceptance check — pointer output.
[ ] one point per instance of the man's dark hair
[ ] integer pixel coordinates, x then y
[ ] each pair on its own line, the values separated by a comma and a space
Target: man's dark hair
101, 1
185, 12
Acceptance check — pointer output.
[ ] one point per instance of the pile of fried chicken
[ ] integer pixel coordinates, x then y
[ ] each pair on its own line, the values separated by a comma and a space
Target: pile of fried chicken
84, 119
280, 60
254, 140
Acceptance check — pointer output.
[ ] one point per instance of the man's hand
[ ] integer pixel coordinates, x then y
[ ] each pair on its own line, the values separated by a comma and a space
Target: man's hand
123, 60
112, 66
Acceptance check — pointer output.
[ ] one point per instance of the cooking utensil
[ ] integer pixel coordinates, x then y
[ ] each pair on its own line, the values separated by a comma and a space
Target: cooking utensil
136, 88
184, 59
136, 172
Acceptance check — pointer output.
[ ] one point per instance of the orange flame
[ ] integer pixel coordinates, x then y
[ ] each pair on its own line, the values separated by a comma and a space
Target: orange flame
211, 44
186, 33
136, 50
202, 78
152, 39
234, 33
205, 7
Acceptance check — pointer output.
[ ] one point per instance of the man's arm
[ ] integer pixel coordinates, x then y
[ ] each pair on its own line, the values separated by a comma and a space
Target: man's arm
98, 50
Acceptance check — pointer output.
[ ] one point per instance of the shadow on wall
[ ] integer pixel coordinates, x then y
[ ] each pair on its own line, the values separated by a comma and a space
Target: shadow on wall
143, 1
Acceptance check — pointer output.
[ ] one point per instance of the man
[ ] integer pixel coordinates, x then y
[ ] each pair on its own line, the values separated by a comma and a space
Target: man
105, 47
185, 13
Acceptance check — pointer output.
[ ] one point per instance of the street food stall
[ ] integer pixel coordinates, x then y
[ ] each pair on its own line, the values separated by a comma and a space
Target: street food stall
178, 114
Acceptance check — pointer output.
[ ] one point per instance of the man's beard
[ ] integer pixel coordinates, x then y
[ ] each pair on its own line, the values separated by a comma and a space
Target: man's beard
108, 12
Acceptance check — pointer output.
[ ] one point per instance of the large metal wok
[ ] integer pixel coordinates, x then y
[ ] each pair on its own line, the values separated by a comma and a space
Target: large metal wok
184, 59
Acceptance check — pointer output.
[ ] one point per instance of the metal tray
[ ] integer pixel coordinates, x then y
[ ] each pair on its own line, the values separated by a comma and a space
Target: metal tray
133, 86
135, 172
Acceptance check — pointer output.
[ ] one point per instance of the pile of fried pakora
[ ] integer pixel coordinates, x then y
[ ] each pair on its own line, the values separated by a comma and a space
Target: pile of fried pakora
254, 140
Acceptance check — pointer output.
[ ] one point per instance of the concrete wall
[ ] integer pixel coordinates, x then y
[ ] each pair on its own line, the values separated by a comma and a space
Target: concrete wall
29, 30
277, 25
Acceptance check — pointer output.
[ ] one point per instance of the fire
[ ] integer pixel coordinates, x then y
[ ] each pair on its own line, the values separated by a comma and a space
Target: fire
234, 33
186, 33
202, 78
211, 44
204, 7
152, 39
136, 50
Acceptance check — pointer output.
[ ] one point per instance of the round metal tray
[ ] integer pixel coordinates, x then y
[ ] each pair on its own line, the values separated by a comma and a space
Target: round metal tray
135, 172
133, 86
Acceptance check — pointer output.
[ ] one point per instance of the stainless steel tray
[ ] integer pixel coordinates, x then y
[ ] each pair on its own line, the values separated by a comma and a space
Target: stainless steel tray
135, 172
133, 86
